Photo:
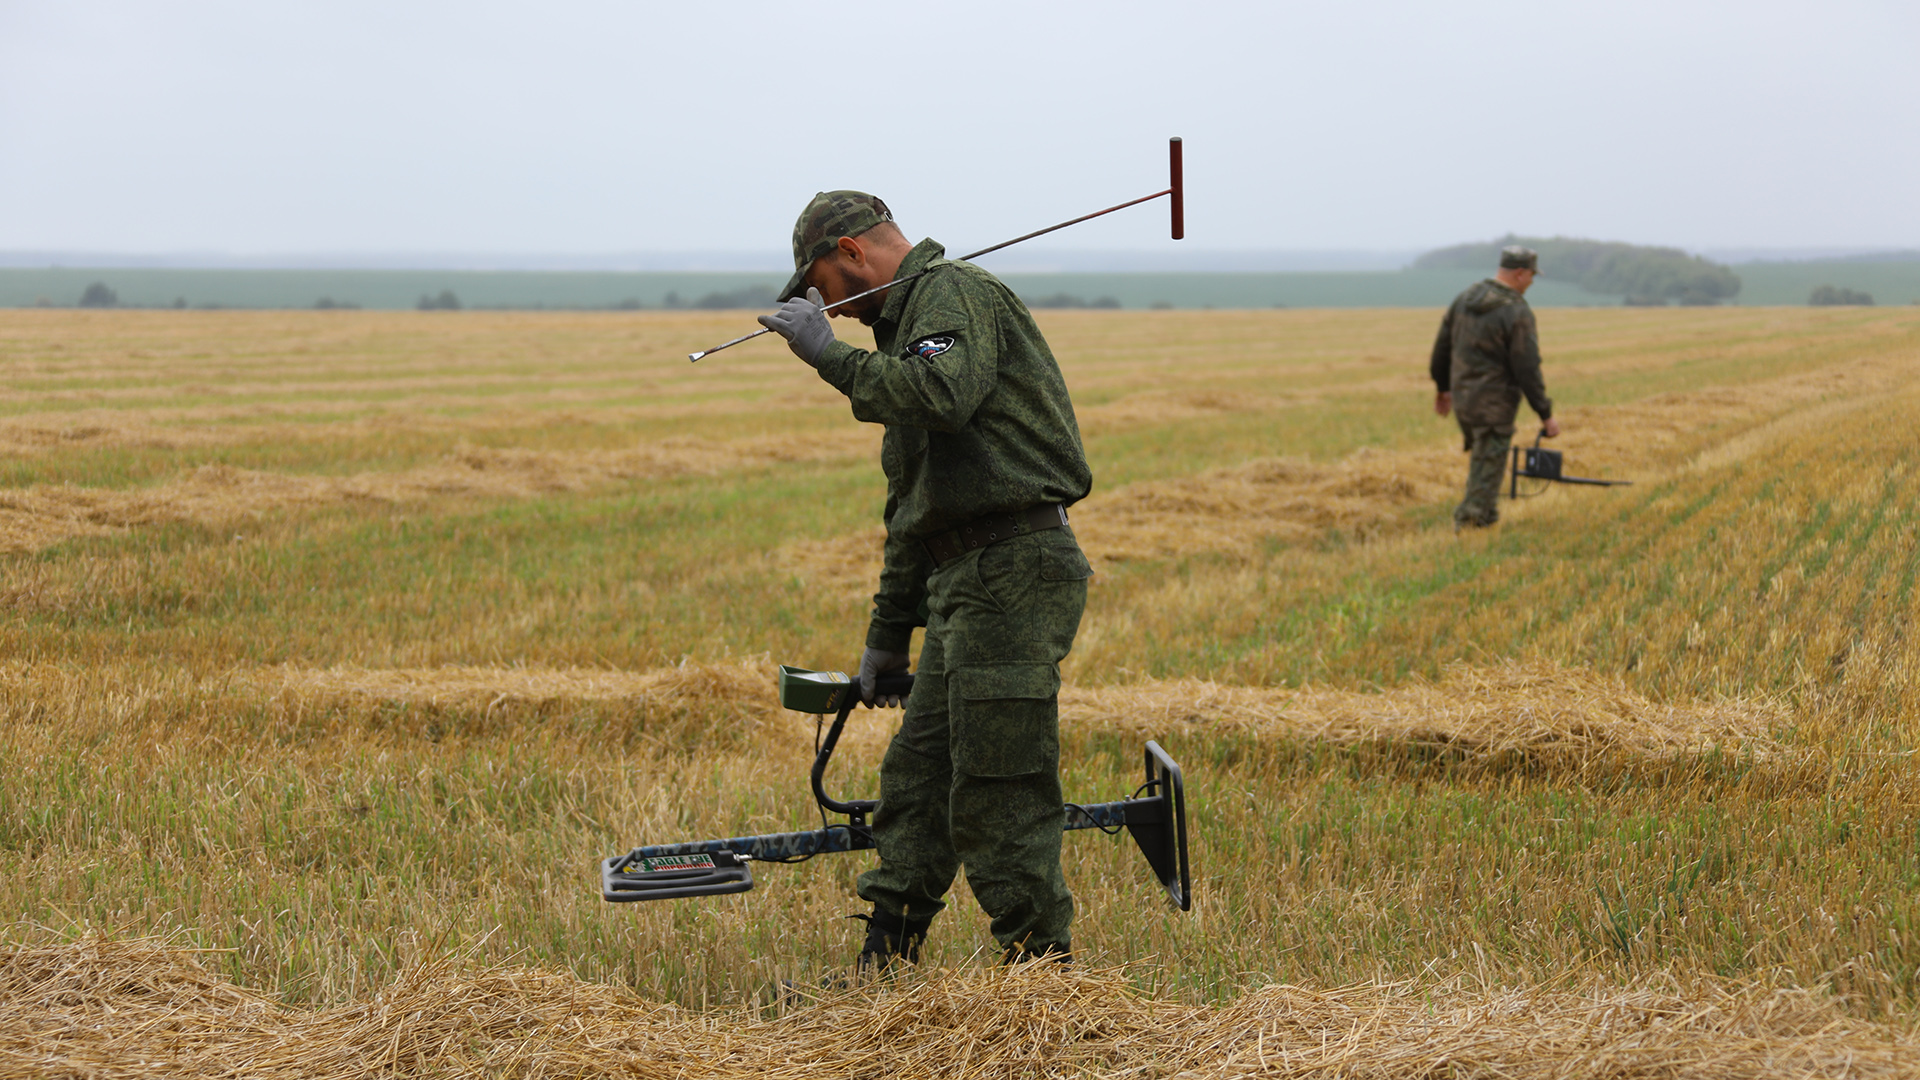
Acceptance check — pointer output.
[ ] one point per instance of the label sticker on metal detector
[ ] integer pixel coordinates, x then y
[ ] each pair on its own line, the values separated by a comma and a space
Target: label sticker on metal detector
928, 348
672, 862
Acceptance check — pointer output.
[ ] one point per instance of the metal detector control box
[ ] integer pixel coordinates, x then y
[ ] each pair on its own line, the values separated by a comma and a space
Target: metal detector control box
1155, 816
1543, 464
813, 691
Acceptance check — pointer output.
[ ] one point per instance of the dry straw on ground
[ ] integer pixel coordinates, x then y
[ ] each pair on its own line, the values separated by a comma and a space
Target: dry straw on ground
1228, 511
468, 686
110, 1009
1224, 511
1367, 494
712, 705
1537, 711
1165, 406
1233, 510
42, 434
1534, 710
38, 517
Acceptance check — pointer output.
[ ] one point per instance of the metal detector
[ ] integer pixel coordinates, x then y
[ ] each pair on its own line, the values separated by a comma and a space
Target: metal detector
1156, 816
1176, 188
1534, 463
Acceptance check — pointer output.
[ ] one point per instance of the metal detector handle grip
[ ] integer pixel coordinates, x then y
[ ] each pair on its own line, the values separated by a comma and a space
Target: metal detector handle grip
896, 683
892, 684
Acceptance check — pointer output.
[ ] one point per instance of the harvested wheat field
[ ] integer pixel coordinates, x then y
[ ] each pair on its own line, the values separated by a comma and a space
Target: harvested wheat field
338, 647
136, 1009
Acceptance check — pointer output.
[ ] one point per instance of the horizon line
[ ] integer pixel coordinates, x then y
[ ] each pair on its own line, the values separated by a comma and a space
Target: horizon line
735, 261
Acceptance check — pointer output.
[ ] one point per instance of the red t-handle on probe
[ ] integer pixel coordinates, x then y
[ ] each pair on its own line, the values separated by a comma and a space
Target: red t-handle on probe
1173, 186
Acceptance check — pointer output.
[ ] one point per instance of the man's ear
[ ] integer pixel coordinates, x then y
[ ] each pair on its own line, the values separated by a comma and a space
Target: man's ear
850, 251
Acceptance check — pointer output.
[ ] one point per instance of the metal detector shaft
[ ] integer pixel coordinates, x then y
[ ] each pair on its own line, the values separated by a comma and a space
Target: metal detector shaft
774, 847
771, 847
1174, 171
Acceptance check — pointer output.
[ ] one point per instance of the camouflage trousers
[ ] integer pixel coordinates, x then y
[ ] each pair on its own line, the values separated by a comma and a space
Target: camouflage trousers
972, 778
1486, 470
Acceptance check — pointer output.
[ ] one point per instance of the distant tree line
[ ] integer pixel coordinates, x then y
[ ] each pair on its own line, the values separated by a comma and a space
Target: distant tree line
628, 304
1068, 300
746, 296
1835, 296
1643, 275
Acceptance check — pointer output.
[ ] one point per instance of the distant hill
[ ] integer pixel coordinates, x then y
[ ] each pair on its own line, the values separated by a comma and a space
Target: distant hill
1656, 275
1881, 257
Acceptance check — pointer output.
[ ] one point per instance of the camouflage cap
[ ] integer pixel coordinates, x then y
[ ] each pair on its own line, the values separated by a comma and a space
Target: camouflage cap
1519, 258
830, 216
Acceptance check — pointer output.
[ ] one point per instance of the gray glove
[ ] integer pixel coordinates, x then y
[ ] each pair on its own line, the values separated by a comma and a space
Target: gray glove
876, 662
804, 326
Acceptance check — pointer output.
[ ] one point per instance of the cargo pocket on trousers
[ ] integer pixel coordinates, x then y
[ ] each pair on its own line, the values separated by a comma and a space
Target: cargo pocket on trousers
1006, 719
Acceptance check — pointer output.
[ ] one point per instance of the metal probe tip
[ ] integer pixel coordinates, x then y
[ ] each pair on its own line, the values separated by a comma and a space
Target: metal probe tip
694, 357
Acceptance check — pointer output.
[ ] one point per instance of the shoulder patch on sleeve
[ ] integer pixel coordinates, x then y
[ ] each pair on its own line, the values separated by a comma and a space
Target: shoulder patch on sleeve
929, 347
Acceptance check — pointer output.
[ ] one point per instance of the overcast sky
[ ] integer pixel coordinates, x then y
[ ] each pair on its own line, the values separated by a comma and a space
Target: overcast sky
593, 127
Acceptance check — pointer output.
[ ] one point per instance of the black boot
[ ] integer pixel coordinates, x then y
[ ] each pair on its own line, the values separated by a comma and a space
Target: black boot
1053, 951
891, 937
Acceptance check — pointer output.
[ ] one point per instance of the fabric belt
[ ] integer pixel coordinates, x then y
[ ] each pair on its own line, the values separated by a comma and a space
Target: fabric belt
983, 532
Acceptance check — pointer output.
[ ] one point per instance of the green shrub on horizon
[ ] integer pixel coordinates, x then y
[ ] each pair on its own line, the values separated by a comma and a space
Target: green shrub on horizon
1836, 296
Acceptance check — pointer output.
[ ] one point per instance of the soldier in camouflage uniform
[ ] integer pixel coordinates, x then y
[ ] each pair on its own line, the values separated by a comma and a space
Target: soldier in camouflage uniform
982, 455
1486, 356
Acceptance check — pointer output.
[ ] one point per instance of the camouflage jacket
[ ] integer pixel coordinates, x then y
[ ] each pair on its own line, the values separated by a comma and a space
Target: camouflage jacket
977, 414
1488, 354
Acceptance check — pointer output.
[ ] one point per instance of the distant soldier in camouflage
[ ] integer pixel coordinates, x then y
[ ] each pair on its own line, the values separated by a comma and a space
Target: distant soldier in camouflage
982, 456
1486, 356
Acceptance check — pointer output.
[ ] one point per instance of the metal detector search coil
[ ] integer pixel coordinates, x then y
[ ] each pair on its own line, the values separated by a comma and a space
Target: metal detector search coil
1155, 816
669, 876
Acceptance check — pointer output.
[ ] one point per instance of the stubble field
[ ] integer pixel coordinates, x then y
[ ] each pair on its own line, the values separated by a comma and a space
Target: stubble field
337, 647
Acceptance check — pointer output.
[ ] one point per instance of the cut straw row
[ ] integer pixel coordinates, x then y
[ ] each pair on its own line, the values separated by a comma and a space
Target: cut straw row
133, 1010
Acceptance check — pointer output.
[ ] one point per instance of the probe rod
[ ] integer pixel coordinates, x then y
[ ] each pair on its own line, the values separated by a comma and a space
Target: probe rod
1179, 231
